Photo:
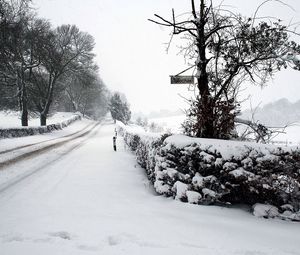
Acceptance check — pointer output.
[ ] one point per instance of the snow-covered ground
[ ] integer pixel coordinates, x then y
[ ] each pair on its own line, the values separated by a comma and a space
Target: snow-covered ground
170, 124
11, 119
9, 143
91, 200
291, 136
19, 149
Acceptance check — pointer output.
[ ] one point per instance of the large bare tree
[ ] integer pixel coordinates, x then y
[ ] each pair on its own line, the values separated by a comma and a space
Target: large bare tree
68, 50
39, 64
228, 49
17, 49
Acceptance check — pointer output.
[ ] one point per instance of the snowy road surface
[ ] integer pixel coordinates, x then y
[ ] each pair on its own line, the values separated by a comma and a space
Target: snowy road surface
84, 198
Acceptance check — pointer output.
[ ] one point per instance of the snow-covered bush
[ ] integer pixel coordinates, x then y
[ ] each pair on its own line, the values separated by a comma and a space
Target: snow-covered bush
209, 171
265, 211
27, 131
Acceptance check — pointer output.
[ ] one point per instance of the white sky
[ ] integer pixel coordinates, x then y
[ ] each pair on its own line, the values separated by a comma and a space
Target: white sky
131, 51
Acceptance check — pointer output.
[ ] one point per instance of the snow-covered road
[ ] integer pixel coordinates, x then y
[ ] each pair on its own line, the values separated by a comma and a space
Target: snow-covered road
92, 200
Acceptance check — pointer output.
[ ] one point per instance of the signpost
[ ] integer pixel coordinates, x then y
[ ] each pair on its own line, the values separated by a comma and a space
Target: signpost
182, 79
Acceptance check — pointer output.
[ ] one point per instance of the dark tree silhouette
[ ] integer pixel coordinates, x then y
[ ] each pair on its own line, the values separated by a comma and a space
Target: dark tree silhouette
228, 49
119, 108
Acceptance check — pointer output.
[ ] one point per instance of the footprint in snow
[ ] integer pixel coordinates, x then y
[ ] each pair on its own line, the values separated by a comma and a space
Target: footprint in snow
13, 238
87, 247
114, 240
120, 238
62, 234
128, 238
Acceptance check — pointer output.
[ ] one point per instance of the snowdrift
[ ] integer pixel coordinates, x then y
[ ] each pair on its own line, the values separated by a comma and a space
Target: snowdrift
27, 131
209, 171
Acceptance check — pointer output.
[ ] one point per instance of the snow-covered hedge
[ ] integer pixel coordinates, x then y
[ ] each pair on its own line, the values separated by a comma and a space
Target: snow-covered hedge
27, 131
208, 171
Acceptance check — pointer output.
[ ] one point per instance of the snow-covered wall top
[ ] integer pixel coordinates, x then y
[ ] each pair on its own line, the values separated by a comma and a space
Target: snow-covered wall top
228, 149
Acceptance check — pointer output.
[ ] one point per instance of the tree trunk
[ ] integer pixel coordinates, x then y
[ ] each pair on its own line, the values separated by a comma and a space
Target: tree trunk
44, 113
43, 119
23, 100
24, 117
205, 116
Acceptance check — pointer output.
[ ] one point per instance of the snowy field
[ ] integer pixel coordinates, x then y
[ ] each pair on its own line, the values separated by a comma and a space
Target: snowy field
11, 119
173, 124
84, 198
170, 124
292, 136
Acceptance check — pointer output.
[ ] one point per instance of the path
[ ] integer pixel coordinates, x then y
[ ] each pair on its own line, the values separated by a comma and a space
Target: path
97, 201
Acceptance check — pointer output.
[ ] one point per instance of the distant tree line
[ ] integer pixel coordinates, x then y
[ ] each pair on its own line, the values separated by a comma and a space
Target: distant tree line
43, 69
119, 108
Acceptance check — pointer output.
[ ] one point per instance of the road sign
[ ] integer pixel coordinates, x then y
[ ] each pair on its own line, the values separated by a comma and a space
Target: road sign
182, 79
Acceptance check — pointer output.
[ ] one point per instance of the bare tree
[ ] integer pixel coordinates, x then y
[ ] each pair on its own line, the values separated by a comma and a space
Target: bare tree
85, 92
43, 64
228, 48
68, 50
77, 87
17, 58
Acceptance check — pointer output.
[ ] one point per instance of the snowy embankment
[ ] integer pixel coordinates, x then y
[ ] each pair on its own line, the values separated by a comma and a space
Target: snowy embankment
208, 171
9, 124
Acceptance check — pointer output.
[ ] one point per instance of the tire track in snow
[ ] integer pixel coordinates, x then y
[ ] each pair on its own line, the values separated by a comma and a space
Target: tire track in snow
49, 140
90, 133
45, 148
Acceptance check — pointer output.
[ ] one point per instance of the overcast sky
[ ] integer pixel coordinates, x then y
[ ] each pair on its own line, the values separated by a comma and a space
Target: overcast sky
131, 51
